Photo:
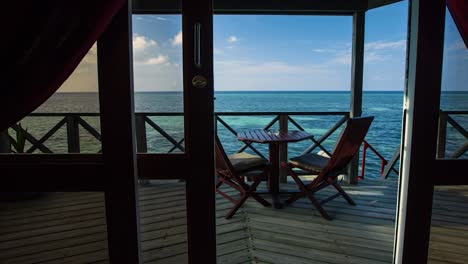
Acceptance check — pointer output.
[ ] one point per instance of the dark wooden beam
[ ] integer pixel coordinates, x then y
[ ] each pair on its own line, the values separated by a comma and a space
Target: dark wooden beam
118, 138
372, 4
162, 166
357, 73
50, 158
422, 100
199, 129
332, 7
450, 172
52, 172
52, 177
357, 63
4, 142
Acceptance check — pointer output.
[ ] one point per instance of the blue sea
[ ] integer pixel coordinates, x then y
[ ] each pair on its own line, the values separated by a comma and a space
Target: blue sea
384, 134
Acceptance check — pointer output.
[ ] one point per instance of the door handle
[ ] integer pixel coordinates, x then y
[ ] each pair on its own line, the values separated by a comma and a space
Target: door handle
197, 45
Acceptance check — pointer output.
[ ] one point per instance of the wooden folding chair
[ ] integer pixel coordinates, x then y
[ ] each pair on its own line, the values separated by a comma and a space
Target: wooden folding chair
231, 170
328, 169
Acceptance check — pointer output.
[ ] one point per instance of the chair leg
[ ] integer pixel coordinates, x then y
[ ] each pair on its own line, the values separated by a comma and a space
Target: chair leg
298, 181
236, 207
306, 192
218, 183
252, 188
260, 199
343, 193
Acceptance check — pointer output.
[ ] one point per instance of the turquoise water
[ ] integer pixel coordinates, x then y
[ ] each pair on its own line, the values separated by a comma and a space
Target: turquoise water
384, 134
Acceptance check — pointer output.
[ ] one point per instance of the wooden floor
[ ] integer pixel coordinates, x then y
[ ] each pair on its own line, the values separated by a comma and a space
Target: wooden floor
71, 228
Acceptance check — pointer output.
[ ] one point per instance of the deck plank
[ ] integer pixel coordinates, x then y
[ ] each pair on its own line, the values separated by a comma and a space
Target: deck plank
71, 228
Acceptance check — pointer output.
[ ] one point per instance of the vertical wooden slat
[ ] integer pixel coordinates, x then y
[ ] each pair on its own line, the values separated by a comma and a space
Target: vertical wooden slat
199, 132
140, 126
73, 134
283, 148
422, 100
357, 72
118, 138
442, 135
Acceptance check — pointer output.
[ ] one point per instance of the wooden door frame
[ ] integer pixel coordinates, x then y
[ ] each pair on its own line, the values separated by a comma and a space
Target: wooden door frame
196, 164
421, 171
199, 131
115, 75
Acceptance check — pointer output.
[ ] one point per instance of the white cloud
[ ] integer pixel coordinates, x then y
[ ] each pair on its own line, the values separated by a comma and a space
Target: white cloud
144, 50
161, 18
155, 60
232, 39
373, 51
267, 68
165, 76
277, 75
140, 43
344, 58
323, 50
177, 40
383, 45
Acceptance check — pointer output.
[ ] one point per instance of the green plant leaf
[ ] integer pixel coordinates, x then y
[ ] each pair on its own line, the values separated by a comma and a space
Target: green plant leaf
13, 143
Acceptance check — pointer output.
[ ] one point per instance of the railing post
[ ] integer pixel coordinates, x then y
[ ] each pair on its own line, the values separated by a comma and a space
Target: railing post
283, 148
4, 142
442, 135
363, 163
73, 135
140, 126
357, 69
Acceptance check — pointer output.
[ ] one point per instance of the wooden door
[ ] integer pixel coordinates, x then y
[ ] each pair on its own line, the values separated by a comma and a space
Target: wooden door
194, 162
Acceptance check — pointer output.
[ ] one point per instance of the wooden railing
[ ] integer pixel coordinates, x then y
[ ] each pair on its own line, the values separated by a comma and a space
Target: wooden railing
76, 122
284, 120
383, 161
147, 122
72, 122
445, 119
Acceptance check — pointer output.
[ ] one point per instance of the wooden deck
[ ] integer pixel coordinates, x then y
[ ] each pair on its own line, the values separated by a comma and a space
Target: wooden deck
71, 228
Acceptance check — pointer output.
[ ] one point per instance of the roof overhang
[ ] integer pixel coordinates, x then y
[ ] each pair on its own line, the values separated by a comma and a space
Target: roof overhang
331, 7
378, 3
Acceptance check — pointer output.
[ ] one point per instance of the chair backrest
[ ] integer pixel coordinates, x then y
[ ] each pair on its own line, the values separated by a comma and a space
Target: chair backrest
222, 161
348, 144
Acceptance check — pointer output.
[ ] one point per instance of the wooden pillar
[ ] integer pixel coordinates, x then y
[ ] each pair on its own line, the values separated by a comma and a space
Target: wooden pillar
357, 72
442, 135
73, 135
118, 138
419, 142
283, 148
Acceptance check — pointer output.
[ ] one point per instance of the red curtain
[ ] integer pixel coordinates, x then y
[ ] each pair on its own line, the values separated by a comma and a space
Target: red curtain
459, 11
43, 42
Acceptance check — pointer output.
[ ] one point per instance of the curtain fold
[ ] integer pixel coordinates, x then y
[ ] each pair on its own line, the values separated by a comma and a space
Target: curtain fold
459, 11
46, 40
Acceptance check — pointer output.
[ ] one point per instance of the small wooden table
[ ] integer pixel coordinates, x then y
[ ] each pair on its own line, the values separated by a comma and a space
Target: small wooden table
273, 139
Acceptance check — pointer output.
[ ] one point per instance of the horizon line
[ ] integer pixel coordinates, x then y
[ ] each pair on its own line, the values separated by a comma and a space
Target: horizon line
169, 91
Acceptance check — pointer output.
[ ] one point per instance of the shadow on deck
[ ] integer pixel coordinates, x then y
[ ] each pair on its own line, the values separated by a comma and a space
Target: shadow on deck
71, 228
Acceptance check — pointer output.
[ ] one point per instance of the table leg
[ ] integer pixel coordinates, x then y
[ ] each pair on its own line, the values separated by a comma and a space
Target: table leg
273, 180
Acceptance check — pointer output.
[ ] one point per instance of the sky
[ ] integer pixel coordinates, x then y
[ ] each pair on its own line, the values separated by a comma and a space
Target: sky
268, 53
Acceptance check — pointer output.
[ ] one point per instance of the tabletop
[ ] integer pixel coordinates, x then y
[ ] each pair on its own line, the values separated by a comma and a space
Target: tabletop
273, 136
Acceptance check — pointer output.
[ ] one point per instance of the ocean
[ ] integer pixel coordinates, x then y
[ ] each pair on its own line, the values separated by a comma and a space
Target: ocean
384, 134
